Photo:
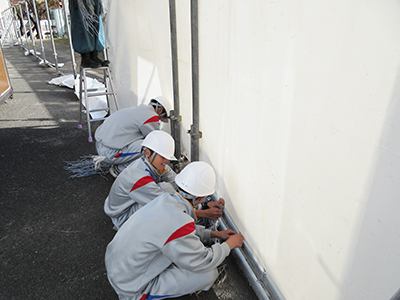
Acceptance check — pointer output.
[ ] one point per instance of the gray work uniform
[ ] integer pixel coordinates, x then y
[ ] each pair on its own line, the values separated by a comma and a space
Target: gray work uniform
120, 136
136, 186
158, 253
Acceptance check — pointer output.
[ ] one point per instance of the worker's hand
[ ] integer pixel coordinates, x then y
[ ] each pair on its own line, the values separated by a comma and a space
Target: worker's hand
214, 212
235, 241
219, 204
223, 235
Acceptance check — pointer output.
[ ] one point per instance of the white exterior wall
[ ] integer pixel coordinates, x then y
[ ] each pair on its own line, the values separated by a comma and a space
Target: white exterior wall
299, 110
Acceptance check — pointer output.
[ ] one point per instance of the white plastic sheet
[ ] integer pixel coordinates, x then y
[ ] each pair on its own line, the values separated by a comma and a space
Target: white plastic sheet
92, 83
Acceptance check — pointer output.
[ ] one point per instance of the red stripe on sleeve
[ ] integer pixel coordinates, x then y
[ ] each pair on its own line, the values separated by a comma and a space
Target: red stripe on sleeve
118, 155
184, 230
141, 182
152, 120
144, 297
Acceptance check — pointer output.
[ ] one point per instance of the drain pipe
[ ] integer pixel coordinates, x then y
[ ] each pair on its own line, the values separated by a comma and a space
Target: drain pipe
175, 114
259, 279
194, 130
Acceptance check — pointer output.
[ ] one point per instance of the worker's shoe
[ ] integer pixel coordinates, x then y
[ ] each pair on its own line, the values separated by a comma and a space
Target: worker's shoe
222, 274
115, 171
87, 62
94, 56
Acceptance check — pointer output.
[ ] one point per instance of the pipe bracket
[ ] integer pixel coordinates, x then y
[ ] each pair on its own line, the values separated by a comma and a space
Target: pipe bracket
195, 135
175, 118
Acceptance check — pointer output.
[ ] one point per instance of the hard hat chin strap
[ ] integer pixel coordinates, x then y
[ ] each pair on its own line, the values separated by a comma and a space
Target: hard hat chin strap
151, 161
189, 197
157, 105
152, 157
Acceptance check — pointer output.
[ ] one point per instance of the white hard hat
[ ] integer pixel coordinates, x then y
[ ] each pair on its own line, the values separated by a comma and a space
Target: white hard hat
197, 179
161, 143
165, 103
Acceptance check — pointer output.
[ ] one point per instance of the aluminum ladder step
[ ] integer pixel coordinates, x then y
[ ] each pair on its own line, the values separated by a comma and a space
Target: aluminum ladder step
86, 96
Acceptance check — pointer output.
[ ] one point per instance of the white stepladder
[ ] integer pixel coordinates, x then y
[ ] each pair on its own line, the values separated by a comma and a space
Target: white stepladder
86, 93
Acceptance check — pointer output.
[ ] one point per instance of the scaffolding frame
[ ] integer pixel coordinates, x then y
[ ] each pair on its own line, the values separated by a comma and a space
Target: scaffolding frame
14, 35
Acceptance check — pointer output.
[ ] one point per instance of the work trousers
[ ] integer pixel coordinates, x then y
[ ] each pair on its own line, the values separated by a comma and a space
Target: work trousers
175, 282
121, 157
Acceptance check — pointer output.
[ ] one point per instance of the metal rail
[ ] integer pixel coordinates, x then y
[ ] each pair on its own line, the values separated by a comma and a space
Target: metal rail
175, 116
260, 280
194, 130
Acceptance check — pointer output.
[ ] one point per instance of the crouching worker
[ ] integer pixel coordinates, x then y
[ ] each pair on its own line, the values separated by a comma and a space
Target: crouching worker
143, 180
119, 138
159, 253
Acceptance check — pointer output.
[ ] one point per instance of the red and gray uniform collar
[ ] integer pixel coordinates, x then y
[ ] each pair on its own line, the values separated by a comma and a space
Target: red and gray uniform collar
152, 170
192, 211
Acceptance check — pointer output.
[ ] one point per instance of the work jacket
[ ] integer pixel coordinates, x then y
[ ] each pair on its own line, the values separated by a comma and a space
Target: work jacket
157, 236
136, 186
127, 125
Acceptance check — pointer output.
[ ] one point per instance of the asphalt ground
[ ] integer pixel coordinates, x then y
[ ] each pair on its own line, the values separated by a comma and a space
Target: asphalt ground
53, 231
